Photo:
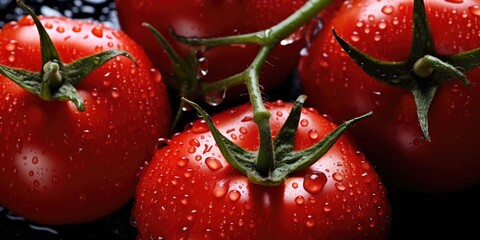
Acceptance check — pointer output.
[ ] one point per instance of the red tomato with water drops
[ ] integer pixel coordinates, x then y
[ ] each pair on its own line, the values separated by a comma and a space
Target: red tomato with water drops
207, 18
392, 139
59, 165
189, 191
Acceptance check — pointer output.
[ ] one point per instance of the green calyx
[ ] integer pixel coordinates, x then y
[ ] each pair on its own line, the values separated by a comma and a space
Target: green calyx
286, 161
56, 80
424, 70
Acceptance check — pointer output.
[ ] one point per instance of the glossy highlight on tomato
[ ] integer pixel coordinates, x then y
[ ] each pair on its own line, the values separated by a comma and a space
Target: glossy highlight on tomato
392, 139
62, 166
189, 191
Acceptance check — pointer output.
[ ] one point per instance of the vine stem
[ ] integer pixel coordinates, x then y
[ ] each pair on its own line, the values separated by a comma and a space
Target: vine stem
267, 40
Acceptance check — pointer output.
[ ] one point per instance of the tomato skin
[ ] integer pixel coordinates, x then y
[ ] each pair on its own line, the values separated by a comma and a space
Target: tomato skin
189, 190
211, 18
61, 166
392, 139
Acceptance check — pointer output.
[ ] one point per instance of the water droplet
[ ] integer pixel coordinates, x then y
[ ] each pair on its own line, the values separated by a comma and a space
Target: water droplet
247, 119
12, 45
31, 173
295, 185
220, 189
313, 134
243, 130
77, 28
475, 10
387, 9
11, 58
213, 163
337, 176
60, 29
216, 98
182, 162
202, 67
304, 122
454, 1
194, 143
36, 183
115, 93
48, 25
300, 200
234, 195
133, 221
340, 187
327, 207
87, 135
355, 37
82, 197
314, 182
309, 221
34, 160
200, 127
359, 24
98, 48
97, 31
382, 24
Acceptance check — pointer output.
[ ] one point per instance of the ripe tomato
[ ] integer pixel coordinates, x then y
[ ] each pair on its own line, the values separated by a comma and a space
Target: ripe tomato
392, 139
189, 191
207, 18
59, 165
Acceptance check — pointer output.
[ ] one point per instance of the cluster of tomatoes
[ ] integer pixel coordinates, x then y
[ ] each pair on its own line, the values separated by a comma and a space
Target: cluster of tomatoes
87, 111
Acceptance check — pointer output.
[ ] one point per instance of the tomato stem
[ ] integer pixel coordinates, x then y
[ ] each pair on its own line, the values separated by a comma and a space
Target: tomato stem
51, 79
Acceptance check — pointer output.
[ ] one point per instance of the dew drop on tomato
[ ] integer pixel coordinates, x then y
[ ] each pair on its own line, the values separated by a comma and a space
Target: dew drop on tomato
313, 134
11, 46
234, 195
220, 189
97, 31
327, 207
182, 162
299, 200
314, 182
340, 187
337, 176
387, 9
474, 9
213, 163
200, 127
309, 221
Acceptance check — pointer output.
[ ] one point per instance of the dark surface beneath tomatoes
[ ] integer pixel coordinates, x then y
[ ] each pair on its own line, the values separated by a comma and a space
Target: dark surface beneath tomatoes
415, 215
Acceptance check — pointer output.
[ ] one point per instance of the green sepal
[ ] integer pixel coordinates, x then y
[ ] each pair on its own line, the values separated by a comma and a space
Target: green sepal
25, 79
79, 69
237, 157
49, 52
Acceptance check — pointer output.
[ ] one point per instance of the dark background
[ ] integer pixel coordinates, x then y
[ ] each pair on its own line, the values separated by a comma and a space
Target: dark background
415, 215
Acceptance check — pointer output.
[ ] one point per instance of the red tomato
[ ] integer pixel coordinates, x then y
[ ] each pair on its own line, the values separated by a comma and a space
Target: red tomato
392, 139
59, 165
207, 18
189, 191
